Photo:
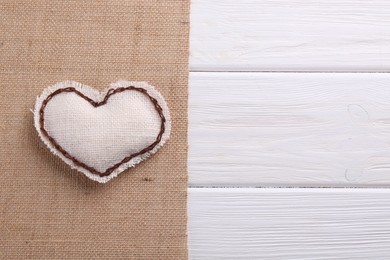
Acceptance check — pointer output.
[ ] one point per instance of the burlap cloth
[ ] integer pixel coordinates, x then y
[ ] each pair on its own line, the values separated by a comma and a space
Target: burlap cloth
48, 211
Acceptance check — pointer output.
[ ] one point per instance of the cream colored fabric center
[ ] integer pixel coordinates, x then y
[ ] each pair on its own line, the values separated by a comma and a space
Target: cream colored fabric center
102, 136
102, 141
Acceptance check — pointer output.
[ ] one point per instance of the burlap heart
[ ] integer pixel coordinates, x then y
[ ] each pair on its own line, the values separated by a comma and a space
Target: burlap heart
102, 134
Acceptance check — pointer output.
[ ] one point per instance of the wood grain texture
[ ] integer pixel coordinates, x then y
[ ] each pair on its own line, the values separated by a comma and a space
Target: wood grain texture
289, 129
290, 35
289, 224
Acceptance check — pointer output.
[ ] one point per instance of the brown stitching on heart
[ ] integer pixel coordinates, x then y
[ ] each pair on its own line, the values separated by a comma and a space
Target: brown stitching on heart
97, 104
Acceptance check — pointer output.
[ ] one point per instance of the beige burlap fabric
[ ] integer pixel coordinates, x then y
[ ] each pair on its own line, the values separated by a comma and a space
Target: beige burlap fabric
47, 210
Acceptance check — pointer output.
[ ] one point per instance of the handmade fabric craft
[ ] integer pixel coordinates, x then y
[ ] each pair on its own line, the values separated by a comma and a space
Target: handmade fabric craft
101, 134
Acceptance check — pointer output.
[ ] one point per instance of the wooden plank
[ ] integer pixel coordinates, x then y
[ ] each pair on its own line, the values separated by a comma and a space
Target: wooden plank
289, 129
289, 224
290, 35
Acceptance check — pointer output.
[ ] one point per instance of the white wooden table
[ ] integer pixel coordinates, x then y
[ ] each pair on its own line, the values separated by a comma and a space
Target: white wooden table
289, 129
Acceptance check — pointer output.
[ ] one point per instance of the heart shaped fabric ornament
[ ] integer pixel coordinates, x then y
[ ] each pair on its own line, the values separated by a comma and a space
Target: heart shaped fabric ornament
101, 134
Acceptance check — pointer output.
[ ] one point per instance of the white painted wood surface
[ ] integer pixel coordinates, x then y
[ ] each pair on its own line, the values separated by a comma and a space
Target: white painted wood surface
289, 224
290, 35
289, 129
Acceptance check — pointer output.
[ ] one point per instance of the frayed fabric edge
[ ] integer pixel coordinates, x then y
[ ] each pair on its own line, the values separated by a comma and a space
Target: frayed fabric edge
99, 96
